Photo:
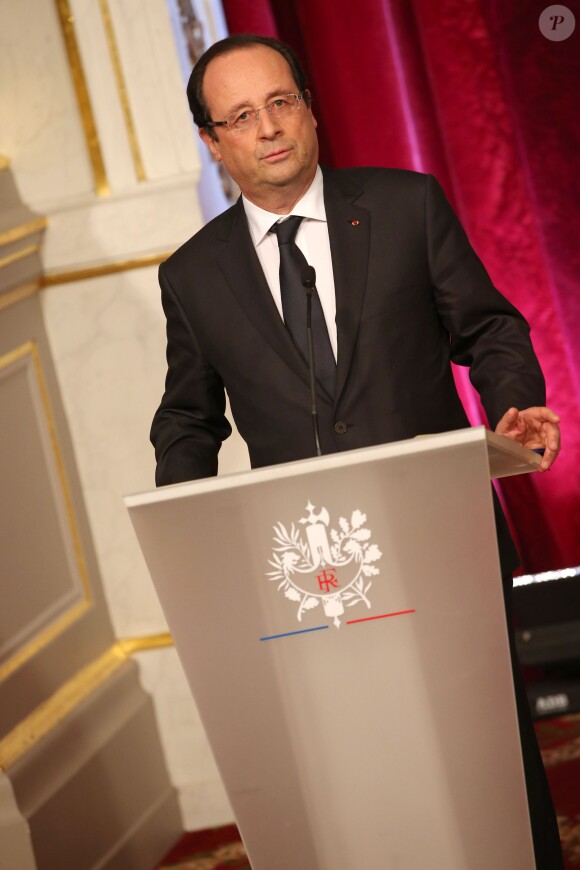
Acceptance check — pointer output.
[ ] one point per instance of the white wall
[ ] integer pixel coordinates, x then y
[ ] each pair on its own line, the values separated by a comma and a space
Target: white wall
107, 332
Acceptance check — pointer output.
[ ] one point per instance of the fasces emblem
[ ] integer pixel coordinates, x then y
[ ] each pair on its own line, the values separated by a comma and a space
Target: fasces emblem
317, 566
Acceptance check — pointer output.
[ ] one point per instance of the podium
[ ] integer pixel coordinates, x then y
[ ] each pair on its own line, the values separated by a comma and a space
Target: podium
340, 621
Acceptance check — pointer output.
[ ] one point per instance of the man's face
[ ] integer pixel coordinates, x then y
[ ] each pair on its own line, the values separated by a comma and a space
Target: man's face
273, 163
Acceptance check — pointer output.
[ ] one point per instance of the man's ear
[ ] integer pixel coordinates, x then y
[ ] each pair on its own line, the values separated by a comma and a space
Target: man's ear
308, 96
212, 144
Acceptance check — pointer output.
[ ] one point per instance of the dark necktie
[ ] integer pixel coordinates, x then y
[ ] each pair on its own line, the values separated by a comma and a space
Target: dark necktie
292, 263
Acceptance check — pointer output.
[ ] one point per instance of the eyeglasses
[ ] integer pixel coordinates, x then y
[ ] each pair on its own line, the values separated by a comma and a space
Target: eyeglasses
247, 118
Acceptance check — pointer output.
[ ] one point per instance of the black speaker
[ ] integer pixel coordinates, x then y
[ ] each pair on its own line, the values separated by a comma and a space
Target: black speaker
547, 619
555, 698
547, 629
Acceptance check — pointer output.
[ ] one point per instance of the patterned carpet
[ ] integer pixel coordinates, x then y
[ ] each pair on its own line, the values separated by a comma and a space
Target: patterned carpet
212, 849
559, 741
221, 848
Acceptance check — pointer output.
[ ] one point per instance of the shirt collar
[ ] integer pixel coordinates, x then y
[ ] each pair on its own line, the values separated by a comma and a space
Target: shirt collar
310, 206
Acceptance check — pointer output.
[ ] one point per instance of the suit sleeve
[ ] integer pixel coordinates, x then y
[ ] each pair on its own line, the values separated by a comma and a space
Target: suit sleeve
189, 425
486, 332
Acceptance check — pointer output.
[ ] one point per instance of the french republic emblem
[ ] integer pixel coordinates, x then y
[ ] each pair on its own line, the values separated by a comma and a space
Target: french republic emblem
317, 566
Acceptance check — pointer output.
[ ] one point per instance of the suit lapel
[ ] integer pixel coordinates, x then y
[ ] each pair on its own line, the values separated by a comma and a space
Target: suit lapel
349, 232
241, 268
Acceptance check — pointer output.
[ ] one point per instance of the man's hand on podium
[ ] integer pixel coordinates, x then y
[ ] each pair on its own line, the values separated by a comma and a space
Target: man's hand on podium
534, 428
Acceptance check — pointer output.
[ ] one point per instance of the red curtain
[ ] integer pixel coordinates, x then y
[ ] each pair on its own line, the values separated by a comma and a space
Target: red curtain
474, 93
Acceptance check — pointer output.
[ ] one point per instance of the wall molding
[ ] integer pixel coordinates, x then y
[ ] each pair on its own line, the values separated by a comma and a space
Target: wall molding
15, 234
28, 352
122, 91
19, 255
67, 26
47, 716
51, 712
86, 272
132, 645
17, 294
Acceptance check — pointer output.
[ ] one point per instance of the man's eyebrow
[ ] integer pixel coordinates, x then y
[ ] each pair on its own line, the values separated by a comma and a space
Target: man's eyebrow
273, 92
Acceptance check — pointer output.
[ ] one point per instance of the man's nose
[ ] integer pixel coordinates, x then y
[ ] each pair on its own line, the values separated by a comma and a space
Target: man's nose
268, 125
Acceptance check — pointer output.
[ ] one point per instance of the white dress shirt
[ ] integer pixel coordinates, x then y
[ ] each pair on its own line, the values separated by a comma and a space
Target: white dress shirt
312, 239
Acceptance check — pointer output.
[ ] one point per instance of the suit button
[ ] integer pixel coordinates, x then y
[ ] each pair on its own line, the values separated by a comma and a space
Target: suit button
340, 427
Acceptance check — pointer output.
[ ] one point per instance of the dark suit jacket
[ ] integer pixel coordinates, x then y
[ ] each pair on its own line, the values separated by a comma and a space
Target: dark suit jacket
411, 295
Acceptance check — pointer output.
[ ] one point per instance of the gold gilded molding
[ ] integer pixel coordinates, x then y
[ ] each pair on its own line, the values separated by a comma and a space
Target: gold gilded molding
14, 234
61, 623
54, 710
122, 89
51, 712
104, 269
42, 639
32, 348
17, 294
18, 255
4, 162
131, 645
66, 19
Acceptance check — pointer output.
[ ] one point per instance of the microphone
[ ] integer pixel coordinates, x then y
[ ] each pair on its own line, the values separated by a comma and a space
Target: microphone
308, 278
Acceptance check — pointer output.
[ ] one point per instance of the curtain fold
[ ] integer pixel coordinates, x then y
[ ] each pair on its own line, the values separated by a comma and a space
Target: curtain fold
475, 94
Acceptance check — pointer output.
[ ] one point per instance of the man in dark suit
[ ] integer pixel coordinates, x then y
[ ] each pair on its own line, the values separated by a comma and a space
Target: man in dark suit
401, 293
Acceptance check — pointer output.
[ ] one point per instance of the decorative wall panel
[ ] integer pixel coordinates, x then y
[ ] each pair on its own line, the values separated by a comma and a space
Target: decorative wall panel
38, 527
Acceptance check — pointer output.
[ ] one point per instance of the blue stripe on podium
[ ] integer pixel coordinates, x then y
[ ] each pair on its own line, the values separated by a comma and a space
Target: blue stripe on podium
289, 633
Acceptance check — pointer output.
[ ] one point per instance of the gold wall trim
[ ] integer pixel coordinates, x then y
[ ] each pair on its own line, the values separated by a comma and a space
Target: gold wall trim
66, 19
62, 622
131, 645
54, 710
104, 269
18, 255
32, 348
51, 712
42, 639
122, 89
14, 234
17, 294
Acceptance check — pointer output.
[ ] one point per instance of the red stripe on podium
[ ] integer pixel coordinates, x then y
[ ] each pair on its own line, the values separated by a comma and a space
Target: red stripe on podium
381, 616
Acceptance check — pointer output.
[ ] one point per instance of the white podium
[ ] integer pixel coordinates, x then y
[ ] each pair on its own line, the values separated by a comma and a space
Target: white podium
341, 624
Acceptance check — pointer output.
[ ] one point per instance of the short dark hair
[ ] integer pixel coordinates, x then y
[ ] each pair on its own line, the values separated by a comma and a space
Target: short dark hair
195, 97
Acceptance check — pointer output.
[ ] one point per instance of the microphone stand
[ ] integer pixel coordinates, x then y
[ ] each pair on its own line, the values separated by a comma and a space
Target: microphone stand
309, 283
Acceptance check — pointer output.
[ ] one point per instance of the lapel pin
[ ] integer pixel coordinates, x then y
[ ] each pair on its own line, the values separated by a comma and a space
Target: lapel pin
355, 223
